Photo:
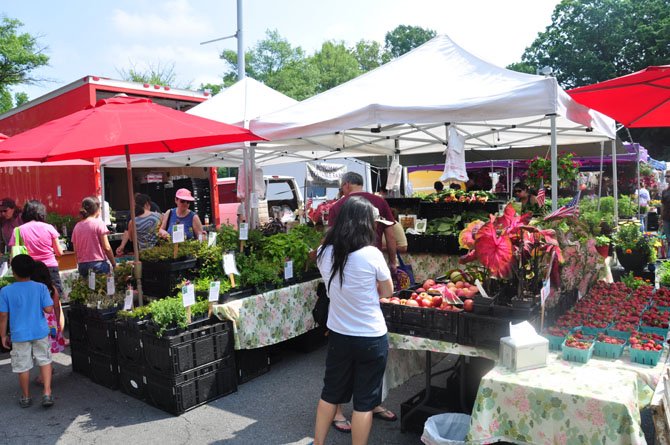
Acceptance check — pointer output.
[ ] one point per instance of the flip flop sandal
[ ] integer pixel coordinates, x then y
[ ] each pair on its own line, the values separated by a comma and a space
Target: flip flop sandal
341, 426
386, 415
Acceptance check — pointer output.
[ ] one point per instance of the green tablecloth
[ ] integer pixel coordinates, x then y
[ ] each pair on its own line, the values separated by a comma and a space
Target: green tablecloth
565, 403
271, 317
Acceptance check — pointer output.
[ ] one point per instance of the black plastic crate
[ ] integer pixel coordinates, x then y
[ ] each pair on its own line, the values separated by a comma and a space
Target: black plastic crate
483, 330
391, 312
103, 314
132, 379
77, 329
182, 352
399, 328
440, 401
236, 294
445, 324
129, 340
504, 311
104, 370
185, 391
251, 363
79, 355
414, 316
309, 341
100, 336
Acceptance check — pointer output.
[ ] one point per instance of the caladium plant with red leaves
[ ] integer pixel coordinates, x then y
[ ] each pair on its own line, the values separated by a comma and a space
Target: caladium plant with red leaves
508, 246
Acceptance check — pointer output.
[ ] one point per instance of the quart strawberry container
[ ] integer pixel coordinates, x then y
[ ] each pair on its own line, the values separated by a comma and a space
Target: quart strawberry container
608, 350
575, 354
643, 357
663, 332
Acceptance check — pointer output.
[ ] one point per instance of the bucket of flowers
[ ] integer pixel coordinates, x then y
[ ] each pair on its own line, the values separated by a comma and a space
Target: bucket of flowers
634, 248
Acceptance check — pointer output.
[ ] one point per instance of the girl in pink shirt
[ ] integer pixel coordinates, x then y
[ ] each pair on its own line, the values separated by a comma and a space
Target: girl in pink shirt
89, 238
40, 238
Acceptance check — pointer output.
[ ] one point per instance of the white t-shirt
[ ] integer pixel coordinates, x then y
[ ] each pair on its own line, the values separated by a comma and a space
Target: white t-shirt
354, 306
643, 196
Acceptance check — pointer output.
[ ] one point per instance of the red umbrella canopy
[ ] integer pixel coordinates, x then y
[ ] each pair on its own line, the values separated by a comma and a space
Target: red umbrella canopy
641, 99
111, 125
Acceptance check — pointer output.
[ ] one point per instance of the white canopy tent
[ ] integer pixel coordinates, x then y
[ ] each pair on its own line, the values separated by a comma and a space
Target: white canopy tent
407, 105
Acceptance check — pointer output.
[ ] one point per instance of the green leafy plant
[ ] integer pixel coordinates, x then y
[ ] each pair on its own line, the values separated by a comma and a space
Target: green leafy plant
139, 313
603, 240
447, 225
57, 220
632, 281
164, 252
167, 313
539, 170
95, 298
630, 239
6, 280
663, 272
256, 271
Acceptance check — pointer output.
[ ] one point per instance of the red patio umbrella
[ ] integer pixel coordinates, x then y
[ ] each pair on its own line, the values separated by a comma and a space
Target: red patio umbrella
118, 126
640, 99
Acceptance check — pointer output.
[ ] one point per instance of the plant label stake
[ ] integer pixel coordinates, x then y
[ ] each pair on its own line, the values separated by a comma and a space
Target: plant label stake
214, 287
91, 280
188, 299
288, 269
111, 286
128, 301
230, 268
211, 239
177, 237
244, 235
480, 288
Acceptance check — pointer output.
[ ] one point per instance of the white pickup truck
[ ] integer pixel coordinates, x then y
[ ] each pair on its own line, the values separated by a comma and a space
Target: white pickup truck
281, 190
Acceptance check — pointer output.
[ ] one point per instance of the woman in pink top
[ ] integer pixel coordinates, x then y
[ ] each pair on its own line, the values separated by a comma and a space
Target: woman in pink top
89, 238
40, 238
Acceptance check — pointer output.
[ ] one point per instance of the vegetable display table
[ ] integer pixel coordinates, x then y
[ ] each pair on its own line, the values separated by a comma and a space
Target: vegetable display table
271, 317
565, 402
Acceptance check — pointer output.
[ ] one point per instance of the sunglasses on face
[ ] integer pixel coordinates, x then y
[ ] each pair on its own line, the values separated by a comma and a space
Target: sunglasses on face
183, 201
517, 191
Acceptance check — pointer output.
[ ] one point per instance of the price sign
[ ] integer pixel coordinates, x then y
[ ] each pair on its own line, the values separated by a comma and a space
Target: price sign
288, 269
188, 295
229, 266
91, 280
111, 286
211, 239
4, 269
254, 200
128, 301
244, 231
214, 287
178, 233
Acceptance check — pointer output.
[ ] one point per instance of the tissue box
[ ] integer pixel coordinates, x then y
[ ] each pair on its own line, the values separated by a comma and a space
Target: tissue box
521, 354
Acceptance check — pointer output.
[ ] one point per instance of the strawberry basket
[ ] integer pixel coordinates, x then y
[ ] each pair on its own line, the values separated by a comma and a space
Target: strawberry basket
608, 346
556, 337
646, 348
644, 357
574, 350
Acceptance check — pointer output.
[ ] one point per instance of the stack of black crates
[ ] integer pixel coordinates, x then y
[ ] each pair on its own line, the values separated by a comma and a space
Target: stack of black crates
175, 372
201, 191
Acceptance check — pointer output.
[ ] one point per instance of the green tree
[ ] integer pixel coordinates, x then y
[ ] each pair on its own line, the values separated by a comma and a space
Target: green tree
155, 73
336, 64
213, 88
590, 41
522, 68
369, 55
405, 38
20, 55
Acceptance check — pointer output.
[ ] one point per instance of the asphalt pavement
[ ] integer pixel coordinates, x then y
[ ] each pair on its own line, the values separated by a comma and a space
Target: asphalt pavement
275, 408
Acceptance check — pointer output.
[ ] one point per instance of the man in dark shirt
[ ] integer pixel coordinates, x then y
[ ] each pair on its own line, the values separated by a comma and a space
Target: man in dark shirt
352, 184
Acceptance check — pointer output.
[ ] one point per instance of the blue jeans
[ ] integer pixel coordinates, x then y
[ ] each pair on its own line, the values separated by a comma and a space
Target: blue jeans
95, 266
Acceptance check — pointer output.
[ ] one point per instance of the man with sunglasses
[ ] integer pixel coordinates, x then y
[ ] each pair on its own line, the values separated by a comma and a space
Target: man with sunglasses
181, 215
10, 217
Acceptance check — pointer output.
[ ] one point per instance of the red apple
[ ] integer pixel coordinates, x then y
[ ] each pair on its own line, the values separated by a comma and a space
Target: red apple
437, 301
411, 303
468, 305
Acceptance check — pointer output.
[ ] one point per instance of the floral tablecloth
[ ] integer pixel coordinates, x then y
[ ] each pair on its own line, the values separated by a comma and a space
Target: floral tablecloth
565, 403
271, 317
429, 265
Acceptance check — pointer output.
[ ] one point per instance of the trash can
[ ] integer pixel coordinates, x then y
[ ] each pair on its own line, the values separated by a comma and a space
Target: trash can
446, 429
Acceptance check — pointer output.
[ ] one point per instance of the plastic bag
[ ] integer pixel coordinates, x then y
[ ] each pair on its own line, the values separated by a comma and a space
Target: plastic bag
446, 429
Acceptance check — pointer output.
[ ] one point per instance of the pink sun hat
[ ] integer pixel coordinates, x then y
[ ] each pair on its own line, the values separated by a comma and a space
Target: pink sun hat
184, 195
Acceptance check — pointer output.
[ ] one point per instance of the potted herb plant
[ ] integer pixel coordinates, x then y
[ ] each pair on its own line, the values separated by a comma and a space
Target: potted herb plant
603, 245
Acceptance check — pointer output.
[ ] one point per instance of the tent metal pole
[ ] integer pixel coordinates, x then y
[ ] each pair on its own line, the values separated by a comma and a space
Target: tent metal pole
247, 194
252, 186
554, 164
133, 234
600, 176
615, 184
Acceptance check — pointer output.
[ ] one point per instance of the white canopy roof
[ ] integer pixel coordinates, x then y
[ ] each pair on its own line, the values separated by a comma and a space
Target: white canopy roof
404, 106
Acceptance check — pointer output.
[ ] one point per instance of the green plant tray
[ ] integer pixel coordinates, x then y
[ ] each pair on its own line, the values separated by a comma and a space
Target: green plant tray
650, 358
576, 355
608, 350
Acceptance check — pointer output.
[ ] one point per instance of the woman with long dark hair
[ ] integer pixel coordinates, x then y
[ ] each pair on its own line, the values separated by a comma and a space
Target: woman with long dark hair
89, 237
40, 238
356, 277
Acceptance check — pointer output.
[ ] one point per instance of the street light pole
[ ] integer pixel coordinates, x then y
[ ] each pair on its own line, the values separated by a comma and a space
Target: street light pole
241, 72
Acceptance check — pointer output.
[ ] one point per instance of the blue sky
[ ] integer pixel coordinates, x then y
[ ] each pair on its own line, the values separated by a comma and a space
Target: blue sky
102, 38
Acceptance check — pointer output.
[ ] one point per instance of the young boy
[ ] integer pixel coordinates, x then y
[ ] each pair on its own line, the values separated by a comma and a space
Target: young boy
24, 303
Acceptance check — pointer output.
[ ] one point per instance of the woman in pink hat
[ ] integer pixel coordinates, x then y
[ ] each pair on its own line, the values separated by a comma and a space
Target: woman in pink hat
181, 215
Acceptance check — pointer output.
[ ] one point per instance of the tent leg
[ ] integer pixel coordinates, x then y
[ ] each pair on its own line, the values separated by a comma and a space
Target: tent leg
615, 184
600, 177
554, 165
136, 248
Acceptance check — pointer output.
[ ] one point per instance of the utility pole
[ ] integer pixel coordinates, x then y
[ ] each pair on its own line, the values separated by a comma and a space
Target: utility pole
241, 73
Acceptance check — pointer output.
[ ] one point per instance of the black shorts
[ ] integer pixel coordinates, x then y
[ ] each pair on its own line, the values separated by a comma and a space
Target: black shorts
355, 366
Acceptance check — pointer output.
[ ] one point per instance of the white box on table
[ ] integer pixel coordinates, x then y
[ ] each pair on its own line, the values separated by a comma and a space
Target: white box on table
526, 353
